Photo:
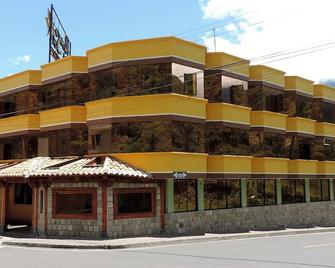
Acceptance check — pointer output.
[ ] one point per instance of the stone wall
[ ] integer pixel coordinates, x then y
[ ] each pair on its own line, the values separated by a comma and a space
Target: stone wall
252, 218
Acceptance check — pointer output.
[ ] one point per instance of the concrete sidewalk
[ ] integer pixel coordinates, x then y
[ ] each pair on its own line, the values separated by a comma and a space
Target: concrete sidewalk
149, 241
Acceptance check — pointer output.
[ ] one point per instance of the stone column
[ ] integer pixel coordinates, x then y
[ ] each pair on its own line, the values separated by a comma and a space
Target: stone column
35, 199
169, 195
201, 194
307, 191
278, 192
104, 223
46, 186
243, 193
331, 189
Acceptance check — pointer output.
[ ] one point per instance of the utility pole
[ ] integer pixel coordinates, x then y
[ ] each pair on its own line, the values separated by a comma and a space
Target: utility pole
214, 35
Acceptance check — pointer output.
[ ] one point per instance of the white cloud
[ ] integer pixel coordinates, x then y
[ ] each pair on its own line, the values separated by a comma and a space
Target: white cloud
19, 59
286, 24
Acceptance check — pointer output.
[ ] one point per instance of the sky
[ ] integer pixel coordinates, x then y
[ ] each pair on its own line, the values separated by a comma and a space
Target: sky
245, 28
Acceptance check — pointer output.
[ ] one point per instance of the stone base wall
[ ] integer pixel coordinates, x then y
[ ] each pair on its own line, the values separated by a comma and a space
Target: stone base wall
118, 228
252, 218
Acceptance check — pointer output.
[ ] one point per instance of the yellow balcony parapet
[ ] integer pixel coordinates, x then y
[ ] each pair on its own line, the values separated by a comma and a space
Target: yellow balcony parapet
299, 125
20, 81
228, 63
19, 125
64, 117
324, 92
147, 107
268, 121
267, 74
324, 129
229, 164
166, 162
228, 113
299, 84
302, 167
63, 68
269, 166
326, 168
152, 48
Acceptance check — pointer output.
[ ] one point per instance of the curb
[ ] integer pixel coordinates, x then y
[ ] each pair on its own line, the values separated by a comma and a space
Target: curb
165, 242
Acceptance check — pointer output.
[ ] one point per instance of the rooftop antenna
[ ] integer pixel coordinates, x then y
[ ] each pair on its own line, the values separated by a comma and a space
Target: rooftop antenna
59, 42
214, 35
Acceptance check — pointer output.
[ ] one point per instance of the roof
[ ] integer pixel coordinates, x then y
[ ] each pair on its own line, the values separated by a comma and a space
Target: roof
72, 166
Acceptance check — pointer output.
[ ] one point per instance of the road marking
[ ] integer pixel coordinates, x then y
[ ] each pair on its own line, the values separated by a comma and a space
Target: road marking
320, 245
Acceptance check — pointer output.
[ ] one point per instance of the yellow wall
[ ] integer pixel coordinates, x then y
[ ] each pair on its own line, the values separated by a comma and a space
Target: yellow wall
269, 165
68, 65
26, 78
229, 164
299, 83
228, 113
166, 161
227, 62
19, 123
302, 166
301, 125
147, 105
63, 115
146, 48
268, 119
325, 129
325, 92
326, 167
267, 74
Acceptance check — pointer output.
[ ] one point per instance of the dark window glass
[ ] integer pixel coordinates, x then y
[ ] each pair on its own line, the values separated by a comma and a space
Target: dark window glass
74, 203
41, 201
328, 112
134, 202
23, 194
190, 84
233, 193
319, 190
261, 192
293, 191
304, 151
185, 195
7, 151
274, 103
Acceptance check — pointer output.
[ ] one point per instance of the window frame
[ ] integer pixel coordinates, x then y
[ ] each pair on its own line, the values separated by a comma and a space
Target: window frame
71, 191
132, 215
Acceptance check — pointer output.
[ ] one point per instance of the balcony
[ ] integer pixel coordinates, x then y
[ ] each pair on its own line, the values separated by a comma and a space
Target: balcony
19, 125
229, 114
141, 50
300, 126
324, 92
299, 84
222, 166
146, 108
227, 63
302, 168
268, 121
62, 118
323, 129
263, 167
326, 168
20, 81
163, 164
63, 69
267, 74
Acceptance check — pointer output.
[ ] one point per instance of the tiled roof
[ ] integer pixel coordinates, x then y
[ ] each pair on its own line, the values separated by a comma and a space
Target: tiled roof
74, 166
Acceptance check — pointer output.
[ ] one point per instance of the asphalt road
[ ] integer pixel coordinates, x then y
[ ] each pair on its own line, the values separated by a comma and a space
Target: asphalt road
312, 250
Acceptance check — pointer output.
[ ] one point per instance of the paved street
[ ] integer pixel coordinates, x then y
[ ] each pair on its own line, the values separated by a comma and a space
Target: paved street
312, 250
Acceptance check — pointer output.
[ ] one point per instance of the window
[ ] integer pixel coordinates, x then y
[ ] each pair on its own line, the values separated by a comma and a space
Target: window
41, 201
185, 195
96, 138
134, 203
23, 194
74, 203
7, 154
261, 192
190, 84
274, 103
293, 191
221, 194
319, 190
304, 151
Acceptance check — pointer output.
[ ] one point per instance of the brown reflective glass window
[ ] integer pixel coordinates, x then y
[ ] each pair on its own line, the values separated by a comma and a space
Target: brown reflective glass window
319, 190
23, 194
185, 195
233, 193
293, 191
74, 203
190, 84
261, 192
